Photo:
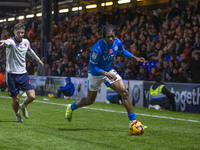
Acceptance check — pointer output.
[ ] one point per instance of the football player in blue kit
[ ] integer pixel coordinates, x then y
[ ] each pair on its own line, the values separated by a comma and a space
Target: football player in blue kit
16, 75
100, 71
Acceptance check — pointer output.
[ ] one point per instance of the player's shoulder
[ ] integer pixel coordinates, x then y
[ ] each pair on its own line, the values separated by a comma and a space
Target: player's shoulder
10, 39
25, 40
117, 41
98, 45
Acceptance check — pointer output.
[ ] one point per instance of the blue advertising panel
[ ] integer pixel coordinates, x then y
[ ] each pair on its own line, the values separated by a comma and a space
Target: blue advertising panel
187, 96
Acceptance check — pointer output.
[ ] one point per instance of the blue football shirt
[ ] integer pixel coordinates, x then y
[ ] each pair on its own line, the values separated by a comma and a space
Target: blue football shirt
103, 54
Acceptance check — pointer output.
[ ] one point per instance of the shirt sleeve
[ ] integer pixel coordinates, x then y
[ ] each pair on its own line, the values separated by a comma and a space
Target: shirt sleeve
94, 58
96, 69
32, 53
124, 52
7, 43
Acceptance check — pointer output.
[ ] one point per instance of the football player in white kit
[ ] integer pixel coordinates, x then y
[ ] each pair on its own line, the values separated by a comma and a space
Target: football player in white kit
16, 75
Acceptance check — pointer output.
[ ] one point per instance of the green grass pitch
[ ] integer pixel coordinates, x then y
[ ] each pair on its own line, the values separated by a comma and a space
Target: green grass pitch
97, 127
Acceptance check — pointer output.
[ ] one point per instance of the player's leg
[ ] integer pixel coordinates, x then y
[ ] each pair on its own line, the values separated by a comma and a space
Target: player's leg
91, 96
93, 86
26, 86
119, 87
15, 103
30, 97
13, 90
15, 106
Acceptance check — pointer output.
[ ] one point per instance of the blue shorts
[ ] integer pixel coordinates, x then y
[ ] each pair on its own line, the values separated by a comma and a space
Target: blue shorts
17, 82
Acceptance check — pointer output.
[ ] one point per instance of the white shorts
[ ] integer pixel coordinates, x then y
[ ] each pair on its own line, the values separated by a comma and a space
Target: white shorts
94, 82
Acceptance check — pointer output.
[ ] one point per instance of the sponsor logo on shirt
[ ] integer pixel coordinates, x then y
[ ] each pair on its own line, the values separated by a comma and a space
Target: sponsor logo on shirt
116, 48
94, 55
111, 57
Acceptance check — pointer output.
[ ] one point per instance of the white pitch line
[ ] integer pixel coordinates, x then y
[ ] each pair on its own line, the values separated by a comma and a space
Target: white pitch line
155, 116
106, 110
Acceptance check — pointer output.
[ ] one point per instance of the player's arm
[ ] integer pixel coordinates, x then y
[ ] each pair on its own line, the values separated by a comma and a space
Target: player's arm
127, 54
111, 76
6, 43
1, 43
94, 64
33, 54
140, 59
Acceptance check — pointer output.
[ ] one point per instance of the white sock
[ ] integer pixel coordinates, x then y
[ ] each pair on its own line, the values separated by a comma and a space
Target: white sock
22, 106
17, 113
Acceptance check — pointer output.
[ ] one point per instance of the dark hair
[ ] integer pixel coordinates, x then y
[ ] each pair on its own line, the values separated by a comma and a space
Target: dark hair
158, 78
108, 28
19, 26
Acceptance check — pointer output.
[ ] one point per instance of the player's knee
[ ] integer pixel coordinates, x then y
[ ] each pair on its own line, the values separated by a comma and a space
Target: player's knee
124, 93
32, 97
16, 100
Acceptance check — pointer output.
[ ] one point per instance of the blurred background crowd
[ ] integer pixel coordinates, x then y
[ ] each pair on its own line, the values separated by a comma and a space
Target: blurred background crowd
168, 38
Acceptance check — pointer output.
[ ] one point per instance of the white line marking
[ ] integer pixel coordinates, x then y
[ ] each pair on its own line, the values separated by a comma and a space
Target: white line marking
146, 115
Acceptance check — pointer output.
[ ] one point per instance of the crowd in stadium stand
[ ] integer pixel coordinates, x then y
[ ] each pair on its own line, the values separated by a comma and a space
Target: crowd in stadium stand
168, 38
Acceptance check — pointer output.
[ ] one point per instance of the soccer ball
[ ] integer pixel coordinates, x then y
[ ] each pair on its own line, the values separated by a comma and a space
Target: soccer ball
50, 95
136, 128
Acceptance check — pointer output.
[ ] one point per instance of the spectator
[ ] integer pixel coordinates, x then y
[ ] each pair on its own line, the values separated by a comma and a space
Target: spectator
3, 84
128, 74
177, 76
152, 74
166, 69
54, 71
143, 75
168, 77
45, 69
67, 90
160, 97
154, 33
158, 52
128, 41
188, 50
193, 67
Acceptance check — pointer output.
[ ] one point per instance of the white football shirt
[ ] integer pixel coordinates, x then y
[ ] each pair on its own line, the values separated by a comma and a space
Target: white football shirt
16, 55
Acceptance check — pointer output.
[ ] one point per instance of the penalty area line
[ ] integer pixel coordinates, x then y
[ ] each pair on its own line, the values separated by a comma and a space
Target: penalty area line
106, 110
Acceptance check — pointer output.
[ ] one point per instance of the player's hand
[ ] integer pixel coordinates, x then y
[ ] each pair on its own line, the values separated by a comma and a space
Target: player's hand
140, 59
40, 63
1, 43
111, 76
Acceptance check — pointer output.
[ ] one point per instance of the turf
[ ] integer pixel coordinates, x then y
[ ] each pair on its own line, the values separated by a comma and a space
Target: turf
94, 128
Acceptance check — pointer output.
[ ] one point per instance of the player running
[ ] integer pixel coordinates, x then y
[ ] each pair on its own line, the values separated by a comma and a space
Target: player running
16, 75
100, 70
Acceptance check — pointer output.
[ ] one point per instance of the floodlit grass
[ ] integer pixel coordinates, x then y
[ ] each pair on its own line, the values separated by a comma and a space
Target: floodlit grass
93, 129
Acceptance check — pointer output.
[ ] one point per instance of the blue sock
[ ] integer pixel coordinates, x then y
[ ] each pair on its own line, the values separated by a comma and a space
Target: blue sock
131, 116
73, 106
